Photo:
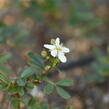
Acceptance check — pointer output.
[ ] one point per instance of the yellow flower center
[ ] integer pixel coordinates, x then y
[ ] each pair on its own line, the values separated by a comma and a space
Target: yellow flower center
58, 49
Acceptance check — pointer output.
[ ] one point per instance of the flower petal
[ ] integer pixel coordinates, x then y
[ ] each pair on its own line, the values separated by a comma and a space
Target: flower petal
57, 41
62, 57
65, 50
49, 46
54, 53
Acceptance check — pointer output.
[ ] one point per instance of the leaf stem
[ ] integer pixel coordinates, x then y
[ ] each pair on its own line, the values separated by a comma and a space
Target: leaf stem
50, 82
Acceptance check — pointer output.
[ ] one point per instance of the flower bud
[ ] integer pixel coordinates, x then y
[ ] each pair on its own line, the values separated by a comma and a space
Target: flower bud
47, 57
44, 53
47, 67
52, 41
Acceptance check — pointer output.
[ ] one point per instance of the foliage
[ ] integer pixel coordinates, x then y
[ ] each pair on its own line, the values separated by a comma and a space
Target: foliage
78, 20
32, 75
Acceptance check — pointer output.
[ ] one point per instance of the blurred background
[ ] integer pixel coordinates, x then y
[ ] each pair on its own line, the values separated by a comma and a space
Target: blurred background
82, 25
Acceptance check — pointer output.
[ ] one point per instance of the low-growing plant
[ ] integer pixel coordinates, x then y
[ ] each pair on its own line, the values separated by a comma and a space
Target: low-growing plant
33, 74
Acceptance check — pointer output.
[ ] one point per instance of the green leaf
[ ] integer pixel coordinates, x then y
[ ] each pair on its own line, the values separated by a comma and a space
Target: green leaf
21, 91
35, 65
3, 78
24, 99
13, 89
21, 82
31, 102
44, 105
28, 71
36, 59
65, 82
15, 103
63, 93
48, 89
3, 85
30, 86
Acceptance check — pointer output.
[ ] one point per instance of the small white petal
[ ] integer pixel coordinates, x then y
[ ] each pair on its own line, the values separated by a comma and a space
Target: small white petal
49, 46
54, 53
57, 41
62, 57
65, 50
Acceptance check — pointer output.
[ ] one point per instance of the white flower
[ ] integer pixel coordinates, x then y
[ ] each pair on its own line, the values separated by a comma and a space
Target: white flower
58, 50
